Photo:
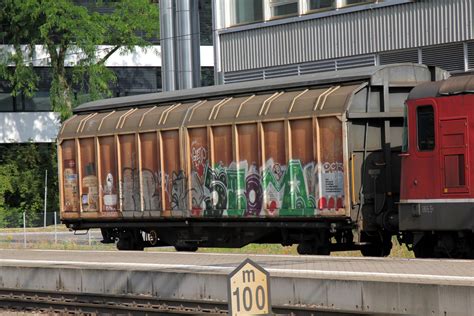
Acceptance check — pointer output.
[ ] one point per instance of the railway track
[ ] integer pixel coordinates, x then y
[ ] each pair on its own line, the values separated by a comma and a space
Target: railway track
88, 304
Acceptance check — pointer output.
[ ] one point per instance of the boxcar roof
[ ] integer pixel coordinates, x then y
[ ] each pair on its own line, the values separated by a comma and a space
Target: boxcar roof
342, 76
460, 84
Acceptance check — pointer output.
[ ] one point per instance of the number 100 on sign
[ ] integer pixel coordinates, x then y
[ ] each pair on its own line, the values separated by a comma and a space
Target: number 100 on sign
249, 290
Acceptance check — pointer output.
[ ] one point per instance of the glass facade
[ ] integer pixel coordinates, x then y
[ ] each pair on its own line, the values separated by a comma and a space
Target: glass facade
130, 81
321, 4
240, 12
283, 8
6, 102
247, 11
355, 2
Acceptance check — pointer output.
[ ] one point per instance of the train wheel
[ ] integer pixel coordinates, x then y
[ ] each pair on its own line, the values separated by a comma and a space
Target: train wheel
458, 245
304, 248
312, 248
108, 236
185, 249
130, 240
379, 244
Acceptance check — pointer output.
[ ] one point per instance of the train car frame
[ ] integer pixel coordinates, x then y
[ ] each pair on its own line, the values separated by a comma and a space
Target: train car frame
309, 160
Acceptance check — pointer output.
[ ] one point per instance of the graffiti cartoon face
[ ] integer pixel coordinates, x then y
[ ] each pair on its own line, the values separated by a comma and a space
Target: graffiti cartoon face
277, 171
254, 194
199, 159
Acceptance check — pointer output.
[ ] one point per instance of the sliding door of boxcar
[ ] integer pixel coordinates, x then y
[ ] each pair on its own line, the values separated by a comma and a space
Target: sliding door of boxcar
151, 174
249, 160
274, 168
300, 184
224, 185
108, 176
200, 172
331, 169
129, 182
174, 178
70, 180
89, 185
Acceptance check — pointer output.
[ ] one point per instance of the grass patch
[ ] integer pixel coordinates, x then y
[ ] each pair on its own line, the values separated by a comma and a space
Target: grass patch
398, 251
59, 228
60, 245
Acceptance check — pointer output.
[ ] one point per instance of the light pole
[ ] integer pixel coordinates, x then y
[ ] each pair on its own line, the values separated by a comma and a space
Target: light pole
45, 195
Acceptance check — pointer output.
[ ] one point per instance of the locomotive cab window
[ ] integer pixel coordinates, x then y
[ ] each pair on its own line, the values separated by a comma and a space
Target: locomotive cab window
425, 128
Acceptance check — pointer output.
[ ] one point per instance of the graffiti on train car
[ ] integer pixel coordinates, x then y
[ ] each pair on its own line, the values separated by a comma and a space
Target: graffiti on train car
239, 189
151, 190
130, 189
179, 194
279, 190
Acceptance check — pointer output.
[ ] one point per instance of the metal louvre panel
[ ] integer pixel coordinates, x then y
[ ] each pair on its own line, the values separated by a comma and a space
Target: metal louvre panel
301, 69
282, 71
240, 76
417, 24
470, 55
319, 66
403, 56
355, 62
448, 57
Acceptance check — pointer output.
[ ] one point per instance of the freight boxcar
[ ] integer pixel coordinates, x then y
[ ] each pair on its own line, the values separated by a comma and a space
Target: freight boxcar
309, 160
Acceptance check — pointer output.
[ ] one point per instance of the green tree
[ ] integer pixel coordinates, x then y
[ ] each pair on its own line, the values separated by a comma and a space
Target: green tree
65, 28
22, 171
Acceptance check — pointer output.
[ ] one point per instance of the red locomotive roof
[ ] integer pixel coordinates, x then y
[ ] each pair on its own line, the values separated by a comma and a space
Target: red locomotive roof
454, 85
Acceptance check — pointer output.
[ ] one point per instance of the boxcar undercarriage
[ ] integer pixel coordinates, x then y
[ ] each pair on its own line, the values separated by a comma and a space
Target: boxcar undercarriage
317, 237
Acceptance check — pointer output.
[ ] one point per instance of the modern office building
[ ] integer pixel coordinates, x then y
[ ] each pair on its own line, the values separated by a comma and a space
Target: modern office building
25, 119
259, 39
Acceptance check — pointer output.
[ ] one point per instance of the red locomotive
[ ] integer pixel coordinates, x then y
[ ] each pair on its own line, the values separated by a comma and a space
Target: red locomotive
436, 198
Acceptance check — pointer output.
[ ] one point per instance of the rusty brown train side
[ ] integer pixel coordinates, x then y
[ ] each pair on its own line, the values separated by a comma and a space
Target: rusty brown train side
277, 163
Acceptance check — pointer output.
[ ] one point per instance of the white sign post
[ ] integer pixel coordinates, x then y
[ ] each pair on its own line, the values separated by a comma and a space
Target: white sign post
249, 290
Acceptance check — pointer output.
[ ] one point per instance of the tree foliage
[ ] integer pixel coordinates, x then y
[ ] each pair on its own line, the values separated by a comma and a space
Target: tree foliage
66, 29
22, 173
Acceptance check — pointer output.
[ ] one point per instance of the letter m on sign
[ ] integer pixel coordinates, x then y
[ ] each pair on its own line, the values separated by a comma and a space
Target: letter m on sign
248, 276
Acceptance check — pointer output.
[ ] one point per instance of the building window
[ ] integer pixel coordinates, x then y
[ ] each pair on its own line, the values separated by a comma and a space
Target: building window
321, 4
6, 102
247, 11
425, 128
39, 102
346, 3
238, 12
283, 8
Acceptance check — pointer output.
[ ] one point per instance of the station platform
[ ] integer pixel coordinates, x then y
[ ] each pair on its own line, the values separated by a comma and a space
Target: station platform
312, 283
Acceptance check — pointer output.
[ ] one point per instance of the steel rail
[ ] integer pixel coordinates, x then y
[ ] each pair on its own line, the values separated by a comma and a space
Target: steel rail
93, 304
12, 299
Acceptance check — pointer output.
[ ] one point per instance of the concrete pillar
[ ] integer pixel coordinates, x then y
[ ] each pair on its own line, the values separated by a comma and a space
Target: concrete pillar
180, 44
167, 43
